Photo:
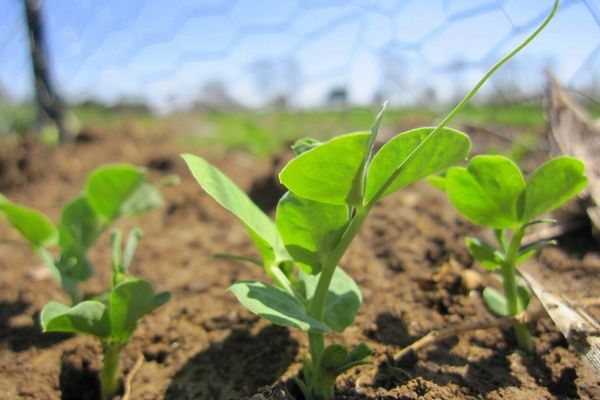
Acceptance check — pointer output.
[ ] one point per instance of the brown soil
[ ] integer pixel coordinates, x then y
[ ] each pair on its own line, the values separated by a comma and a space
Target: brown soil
409, 261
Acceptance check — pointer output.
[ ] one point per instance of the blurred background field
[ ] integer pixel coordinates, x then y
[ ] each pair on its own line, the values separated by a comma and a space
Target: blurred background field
255, 75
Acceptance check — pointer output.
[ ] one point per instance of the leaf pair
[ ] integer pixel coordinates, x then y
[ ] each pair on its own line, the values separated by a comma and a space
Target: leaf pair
492, 191
128, 302
335, 171
284, 309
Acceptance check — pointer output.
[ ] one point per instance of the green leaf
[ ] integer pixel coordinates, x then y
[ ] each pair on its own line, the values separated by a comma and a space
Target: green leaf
488, 192
526, 252
327, 173
129, 301
303, 145
437, 181
342, 301
310, 230
35, 227
445, 148
88, 317
144, 197
553, 184
231, 197
74, 265
109, 187
495, 302
275, 305
79, 226
484, 253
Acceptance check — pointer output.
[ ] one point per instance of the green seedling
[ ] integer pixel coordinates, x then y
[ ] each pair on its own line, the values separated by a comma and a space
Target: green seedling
112, 320
332, 187
491, 191
110, 192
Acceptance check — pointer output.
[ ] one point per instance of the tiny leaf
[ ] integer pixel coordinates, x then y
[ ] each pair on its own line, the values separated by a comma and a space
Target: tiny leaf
79, 226
327, 173
275, 305
303, 145
488, 191
553, 184
526, 252
495, 302
483, 252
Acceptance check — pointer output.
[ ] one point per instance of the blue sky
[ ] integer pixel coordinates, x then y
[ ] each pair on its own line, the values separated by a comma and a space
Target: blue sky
166, 52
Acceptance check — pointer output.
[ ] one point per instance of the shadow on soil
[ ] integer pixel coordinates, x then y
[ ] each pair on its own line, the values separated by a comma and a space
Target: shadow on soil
26, 333
235, 367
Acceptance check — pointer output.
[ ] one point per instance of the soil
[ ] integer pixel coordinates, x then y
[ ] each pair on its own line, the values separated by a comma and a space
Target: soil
409, 261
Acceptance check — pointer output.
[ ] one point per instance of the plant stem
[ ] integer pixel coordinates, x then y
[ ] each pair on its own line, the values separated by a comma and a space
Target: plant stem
109, 376
316, 340
509, 282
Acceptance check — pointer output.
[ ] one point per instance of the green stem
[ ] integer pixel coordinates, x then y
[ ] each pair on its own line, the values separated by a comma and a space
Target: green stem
109, 376
509, 281
316, 340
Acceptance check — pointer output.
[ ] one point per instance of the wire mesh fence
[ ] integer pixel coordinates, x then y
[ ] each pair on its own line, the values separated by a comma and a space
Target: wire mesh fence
248, 53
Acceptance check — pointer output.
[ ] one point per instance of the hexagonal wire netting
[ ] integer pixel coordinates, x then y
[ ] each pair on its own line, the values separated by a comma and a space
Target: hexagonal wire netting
249, 52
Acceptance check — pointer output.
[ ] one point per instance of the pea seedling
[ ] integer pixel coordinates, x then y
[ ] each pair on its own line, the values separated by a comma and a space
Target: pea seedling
491, 191
332, 187
110, 192
113, 320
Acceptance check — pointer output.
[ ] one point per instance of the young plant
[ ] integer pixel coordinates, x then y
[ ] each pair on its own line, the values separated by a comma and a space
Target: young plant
491, 191
332, 187
110, 192
112, 320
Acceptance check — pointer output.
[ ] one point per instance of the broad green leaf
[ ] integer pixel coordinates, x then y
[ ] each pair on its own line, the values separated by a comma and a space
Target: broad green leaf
484, 253
552, 185
495, 302
310, 230
88, 317
129, 301
445, 148
526, 252
109, 187
79, 226
488, 192
275, 305
343, 298
328, 172
231, 197
35, 227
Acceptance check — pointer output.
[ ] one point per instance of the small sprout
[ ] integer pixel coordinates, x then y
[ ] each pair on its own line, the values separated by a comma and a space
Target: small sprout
110, 192
332, 187
491, 191
113, 320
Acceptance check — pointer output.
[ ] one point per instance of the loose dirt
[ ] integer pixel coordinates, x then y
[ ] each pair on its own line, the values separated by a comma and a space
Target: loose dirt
409, 260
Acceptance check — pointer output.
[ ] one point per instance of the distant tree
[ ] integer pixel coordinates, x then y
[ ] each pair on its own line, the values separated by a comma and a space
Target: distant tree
49, 106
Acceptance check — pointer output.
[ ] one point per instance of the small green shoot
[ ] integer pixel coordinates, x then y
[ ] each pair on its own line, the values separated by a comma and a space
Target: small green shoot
110, 192
491, 191
113, 320
332, 187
